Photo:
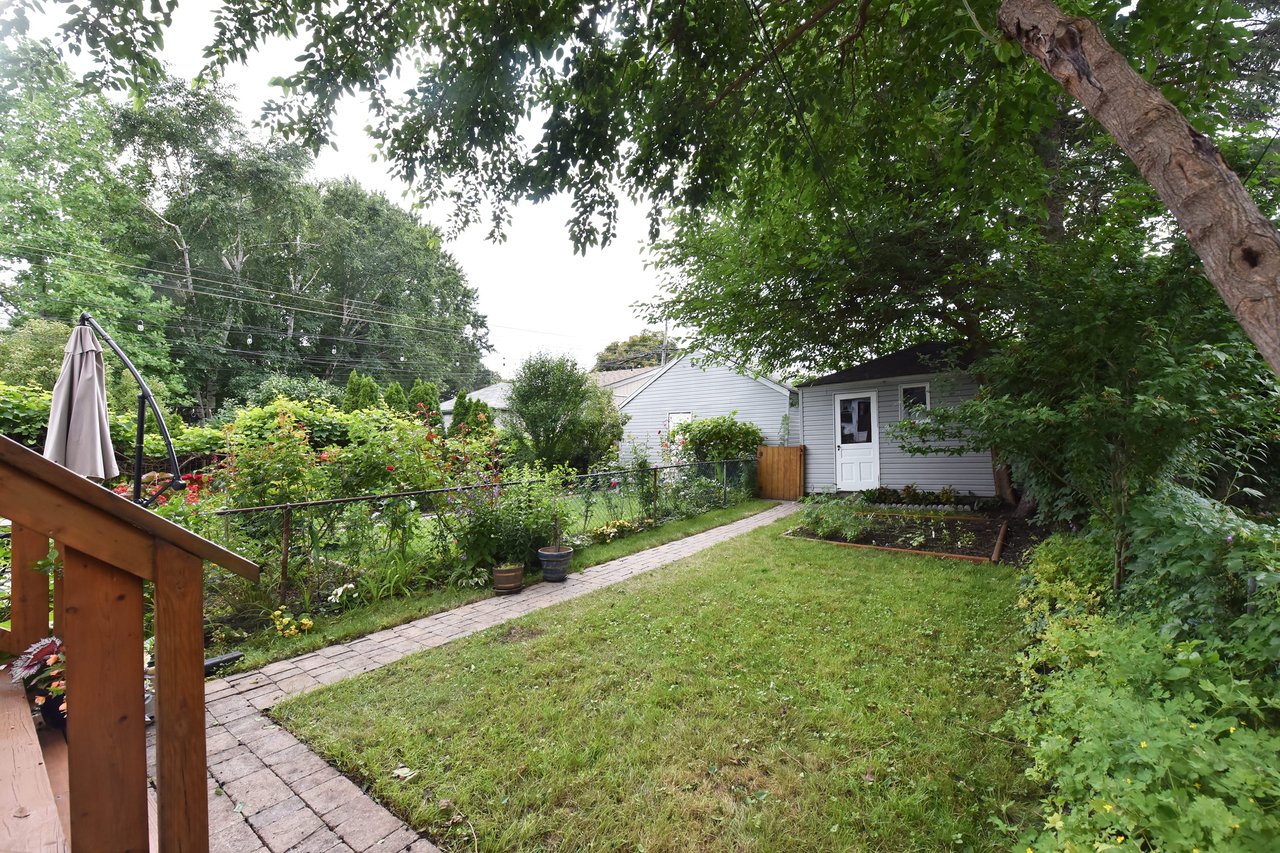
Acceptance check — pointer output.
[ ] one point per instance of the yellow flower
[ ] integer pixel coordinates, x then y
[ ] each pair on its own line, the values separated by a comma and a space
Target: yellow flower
1193, 725
1108, 808
1143, 744
1231, 730
1119, 839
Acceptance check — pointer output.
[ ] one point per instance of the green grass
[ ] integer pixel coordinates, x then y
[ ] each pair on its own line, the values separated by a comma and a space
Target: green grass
266, 646
593, 555
767, 694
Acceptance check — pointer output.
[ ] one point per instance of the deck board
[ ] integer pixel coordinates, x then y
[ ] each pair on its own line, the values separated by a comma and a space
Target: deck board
28, 811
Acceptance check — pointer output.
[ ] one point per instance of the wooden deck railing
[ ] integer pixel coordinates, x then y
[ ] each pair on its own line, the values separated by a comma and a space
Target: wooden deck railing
110, 548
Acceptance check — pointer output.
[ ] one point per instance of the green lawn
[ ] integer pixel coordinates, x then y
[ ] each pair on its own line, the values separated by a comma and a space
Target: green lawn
266, 646
769, 694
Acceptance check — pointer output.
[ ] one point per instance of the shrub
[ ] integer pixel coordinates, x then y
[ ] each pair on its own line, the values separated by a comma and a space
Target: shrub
563, 417
832, 517
24, 412
1159, 743
424, 402
1067, 576
361, 393
721, 437
1192, 557
395, 398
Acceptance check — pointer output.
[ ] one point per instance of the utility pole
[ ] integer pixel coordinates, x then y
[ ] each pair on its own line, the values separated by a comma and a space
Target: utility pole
665, 324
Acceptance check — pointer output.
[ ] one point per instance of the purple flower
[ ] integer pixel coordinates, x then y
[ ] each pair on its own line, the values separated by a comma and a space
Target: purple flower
1231, 538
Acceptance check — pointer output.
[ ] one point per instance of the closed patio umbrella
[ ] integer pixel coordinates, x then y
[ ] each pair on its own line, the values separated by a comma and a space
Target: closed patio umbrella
79, 435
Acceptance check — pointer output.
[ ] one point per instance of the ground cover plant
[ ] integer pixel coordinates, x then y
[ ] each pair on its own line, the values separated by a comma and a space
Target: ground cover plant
1150, 712
765, 689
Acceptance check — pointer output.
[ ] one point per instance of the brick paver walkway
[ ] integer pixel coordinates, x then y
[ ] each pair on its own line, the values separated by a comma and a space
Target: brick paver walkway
269, 792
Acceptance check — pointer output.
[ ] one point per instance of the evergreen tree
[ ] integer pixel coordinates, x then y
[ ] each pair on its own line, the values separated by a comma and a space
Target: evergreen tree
461, 411
370, 394
424, 401
395, 398
351, 396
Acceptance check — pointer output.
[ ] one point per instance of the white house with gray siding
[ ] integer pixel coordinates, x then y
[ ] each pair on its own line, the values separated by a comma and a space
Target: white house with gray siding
688, 387
846, 418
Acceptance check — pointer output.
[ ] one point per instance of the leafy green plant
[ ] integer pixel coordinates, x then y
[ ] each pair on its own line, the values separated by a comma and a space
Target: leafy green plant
834, 517
720, 437
1160, 743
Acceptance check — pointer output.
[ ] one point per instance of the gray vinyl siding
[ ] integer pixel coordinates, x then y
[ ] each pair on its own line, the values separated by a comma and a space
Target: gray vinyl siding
970, 472
704, 391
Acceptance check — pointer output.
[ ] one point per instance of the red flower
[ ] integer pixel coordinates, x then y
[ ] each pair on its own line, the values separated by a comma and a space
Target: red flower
391, 467
324, 456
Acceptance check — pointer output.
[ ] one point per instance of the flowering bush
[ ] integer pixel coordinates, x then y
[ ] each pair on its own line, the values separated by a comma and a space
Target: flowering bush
722, 437
287, 625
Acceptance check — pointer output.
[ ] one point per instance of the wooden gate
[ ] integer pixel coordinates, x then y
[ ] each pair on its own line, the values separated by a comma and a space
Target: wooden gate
780, 472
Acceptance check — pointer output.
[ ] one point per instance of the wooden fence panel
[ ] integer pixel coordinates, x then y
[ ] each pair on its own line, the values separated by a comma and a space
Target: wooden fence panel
780, 472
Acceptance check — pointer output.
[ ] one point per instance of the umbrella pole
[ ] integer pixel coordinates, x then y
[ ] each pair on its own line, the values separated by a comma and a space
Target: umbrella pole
145, 399
137, 448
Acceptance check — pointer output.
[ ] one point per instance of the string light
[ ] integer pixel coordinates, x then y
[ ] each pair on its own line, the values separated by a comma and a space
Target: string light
141, 326
249, 339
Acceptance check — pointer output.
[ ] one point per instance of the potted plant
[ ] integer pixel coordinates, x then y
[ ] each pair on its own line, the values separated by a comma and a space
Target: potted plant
555, 557
42, 670
508, 578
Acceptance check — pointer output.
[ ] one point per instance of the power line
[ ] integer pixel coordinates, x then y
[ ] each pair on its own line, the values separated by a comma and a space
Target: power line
278, 306
248, 284
208, 324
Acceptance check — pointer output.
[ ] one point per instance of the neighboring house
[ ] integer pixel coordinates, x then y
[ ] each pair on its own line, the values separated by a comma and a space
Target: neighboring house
620, 383
495, 395
688, 388
845, 420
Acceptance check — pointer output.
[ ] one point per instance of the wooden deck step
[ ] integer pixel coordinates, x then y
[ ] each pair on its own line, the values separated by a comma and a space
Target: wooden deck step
54, 744
29, 820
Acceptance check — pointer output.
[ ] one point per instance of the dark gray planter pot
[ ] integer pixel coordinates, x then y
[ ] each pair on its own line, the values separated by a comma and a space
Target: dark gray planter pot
555, 562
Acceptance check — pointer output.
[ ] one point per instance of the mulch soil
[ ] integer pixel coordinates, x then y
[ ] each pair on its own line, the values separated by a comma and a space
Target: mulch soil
967, 535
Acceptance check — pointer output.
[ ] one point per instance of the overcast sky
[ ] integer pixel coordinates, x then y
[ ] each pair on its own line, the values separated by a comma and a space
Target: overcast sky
536, 293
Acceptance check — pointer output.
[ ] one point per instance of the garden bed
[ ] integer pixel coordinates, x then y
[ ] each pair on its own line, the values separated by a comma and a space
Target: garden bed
976, 537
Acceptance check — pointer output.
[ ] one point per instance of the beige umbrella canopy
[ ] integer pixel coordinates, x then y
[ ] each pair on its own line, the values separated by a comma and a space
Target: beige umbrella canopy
79, 435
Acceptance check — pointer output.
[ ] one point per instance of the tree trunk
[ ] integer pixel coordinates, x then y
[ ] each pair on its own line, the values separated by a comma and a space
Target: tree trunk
1239, 246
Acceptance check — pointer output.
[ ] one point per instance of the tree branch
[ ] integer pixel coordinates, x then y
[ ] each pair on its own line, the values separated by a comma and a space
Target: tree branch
786, 42
1239, 246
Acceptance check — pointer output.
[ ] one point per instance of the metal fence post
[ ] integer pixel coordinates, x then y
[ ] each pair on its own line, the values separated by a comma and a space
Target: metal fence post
655, 495
286, 528
724, 484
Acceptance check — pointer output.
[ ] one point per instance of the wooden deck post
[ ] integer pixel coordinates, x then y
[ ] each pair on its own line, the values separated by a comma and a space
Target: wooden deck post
180, 742
107, 758
29, 592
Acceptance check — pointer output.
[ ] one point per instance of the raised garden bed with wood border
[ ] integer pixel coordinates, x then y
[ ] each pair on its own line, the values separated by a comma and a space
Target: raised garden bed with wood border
928, 535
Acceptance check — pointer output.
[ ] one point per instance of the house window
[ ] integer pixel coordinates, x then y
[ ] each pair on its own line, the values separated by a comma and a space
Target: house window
674, 419
914, 400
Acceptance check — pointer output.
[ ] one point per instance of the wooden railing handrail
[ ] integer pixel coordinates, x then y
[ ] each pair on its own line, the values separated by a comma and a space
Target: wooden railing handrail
109, 547
19, 466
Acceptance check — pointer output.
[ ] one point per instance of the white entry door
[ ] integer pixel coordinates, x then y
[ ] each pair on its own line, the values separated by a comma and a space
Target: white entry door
857, 442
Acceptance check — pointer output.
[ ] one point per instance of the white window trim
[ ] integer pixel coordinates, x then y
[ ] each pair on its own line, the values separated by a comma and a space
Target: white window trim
928, 397
684, 418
